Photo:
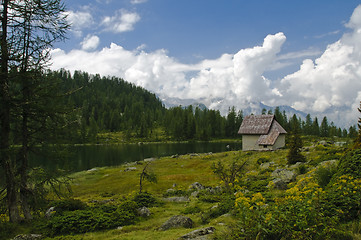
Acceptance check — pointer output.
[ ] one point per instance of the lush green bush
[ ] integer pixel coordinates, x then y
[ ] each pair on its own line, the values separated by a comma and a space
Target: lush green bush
68, 205
225, 206
177, 192
297, 214
209, 197
350, 164
145, 199
92, 219
192, 210
262, 160
324, 175
343, 197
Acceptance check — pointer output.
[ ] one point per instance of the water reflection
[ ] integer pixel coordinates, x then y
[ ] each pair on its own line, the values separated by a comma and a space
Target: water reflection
81, 158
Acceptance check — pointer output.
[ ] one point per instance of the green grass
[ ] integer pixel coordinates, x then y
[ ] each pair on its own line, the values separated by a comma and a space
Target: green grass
116, 184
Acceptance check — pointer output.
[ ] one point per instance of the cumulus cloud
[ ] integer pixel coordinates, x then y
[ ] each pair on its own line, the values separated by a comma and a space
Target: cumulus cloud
90, 42
331, 83
138, 1
79, 20
122, 21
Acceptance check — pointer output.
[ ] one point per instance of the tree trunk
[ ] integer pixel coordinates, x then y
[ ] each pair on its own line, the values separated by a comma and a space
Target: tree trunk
5, 157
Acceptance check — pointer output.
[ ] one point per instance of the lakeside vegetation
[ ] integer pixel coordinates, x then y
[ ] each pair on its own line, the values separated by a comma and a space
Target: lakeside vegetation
320, 202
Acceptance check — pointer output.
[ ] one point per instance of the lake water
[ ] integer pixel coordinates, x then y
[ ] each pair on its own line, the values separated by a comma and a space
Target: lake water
79, 158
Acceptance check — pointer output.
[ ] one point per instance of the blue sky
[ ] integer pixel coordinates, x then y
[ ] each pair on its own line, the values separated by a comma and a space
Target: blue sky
229, 52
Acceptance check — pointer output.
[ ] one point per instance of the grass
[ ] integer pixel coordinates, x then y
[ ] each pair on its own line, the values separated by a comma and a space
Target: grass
116, 184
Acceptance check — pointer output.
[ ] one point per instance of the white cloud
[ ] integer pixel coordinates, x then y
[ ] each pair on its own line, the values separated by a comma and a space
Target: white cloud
332, 81
138, 1
329, 85
122, 21
90, 42
79, 20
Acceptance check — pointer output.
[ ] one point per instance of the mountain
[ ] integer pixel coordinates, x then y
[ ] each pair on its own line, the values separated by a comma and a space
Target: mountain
223, 106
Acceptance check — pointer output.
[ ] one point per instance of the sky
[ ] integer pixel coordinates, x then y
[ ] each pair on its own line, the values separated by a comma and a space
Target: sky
304, 54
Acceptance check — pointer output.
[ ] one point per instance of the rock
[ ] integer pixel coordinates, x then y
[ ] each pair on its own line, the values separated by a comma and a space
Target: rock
195, 193
279, 184
130, 169
50, 212
176, 199
328, 163
196, 234
267, 165
193, 154
144, 212
177, 221
175, 156
28, 237
284, 174
340, 144
170, 190
93, 170
196, 186
149, 159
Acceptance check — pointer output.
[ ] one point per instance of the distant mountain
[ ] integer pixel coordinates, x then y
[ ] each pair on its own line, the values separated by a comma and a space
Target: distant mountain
223, 106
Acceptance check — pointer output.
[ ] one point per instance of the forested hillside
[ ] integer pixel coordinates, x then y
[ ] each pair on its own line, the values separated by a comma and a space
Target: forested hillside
110, 104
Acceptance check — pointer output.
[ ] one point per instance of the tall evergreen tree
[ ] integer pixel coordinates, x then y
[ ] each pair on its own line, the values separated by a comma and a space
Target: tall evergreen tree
324, 128
29, 28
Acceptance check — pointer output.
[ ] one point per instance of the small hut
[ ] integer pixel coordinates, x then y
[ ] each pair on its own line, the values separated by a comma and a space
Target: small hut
261, 132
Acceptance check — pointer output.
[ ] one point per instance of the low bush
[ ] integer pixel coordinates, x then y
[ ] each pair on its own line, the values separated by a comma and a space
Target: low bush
192, 210
92, 219
68, 205
145, 199
177, 192
225, 206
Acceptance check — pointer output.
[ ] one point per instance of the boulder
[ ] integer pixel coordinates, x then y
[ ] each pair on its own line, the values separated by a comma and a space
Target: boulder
196, 186
279, 184
130, 169
198, 234
284, 175
176, 222
144, 212
267, 165
176, 199
28, 237
50, 212
149, 159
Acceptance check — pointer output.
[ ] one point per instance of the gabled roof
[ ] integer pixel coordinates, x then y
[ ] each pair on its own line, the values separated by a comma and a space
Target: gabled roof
264, 125
256, 124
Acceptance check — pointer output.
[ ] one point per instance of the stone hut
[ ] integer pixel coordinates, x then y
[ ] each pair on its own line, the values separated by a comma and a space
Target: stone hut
261, 132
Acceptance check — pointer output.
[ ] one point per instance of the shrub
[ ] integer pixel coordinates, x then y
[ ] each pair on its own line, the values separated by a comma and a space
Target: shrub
225, 206
324, 175
350, 164
145, 199
177, 192
262, 160
343, 197
192, 210
93, 219
68, 205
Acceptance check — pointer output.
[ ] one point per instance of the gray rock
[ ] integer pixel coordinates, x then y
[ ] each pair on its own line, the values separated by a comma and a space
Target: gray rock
199, 233
196, 186
340, 144
130, 169
279, 184
50, 212
284, 175
149, 159
28, 237
328, 163
176, 199
144, 212
176, 222
267, 165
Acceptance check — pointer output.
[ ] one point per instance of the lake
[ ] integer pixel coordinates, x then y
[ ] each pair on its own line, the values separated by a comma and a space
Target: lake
79, 158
